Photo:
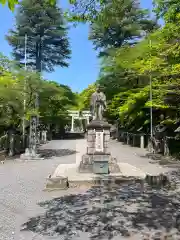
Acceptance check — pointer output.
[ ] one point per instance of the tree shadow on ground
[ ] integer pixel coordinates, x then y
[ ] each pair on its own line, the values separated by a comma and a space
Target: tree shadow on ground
49, 153
108, 211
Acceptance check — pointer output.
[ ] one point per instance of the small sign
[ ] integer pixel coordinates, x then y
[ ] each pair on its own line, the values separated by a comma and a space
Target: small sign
101, 165
99, 144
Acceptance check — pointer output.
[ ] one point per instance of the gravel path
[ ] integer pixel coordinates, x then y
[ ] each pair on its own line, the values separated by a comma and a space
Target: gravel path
21, 189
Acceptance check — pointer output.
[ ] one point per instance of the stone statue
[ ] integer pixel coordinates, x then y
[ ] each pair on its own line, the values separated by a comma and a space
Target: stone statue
98, 104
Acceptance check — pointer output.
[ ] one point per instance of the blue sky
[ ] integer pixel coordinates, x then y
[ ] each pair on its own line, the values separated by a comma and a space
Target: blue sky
84, 64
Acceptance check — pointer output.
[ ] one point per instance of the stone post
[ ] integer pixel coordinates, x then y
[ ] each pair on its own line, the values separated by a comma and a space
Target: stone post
87, 120
33, 134
45, 136
41, 136
57, 128
150, 145
134, 139
127, 138
72, 124
142, 141
117, 132
81, 125
38, 137
166, 147
11, 144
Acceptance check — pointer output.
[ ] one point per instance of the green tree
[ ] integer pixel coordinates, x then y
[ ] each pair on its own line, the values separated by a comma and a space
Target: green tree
118, 23
9, 100
116, 77
12, 94
55, 100
47, 42
85, 96
160, 59
168, 10
17, 85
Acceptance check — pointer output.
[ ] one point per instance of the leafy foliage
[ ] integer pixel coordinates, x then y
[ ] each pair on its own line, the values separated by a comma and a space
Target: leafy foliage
17, 85
157, 56
168, 10
84, 97
55, 101
118, 23
13, 3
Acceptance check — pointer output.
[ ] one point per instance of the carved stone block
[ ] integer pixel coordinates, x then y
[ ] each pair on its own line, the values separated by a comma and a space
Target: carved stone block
91, 144
106, 131
106, 144
114, 168
107, 137
90, 131
91, 150
86, 165
57, 183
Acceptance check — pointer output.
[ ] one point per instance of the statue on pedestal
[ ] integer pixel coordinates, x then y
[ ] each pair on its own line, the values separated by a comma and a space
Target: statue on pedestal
98, 104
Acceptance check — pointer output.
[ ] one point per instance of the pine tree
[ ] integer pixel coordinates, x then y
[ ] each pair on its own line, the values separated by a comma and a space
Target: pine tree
47, 42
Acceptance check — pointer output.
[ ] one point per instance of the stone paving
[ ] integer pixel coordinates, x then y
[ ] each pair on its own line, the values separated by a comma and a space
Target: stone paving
22, 184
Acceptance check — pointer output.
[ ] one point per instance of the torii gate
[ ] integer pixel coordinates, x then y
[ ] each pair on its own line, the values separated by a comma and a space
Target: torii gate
78, 115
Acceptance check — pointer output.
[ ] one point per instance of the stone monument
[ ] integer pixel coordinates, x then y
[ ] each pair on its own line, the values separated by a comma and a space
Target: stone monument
98, 158
96, 166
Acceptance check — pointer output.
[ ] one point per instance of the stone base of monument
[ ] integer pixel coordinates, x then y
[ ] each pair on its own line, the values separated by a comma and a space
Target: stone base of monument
93, 164
30, 155
68, 176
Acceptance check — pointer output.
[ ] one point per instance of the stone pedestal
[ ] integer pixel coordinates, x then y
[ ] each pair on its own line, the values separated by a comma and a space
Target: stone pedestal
98, 158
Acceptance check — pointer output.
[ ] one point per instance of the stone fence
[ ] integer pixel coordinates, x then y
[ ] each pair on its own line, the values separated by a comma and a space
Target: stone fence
134, 140
165, 146
13, 144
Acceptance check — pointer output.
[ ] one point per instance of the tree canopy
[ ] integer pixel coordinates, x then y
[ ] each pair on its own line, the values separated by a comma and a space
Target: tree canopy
118, 23
55, 99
